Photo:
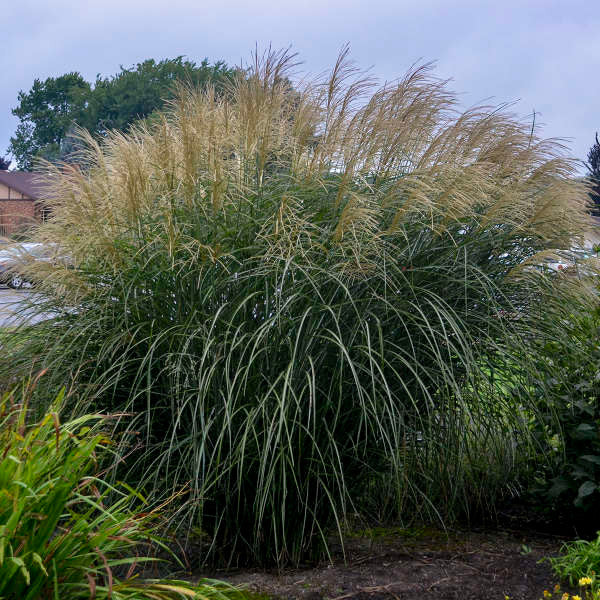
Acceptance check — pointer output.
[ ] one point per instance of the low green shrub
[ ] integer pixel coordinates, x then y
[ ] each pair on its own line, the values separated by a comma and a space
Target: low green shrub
65, 533
568, 421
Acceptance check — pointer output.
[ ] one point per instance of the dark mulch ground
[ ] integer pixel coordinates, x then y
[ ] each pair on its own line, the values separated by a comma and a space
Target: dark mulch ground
419, 565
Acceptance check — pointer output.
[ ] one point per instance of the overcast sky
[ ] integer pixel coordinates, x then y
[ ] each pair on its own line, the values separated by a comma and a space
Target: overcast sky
543, 53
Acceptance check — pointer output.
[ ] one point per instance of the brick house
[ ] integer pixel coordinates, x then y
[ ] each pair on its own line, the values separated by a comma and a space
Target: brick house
20, 196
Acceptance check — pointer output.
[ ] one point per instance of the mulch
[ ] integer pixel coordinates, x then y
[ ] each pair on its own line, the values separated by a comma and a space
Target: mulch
433, 564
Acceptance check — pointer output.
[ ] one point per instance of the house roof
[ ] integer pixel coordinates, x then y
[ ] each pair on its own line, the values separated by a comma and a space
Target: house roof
23, 182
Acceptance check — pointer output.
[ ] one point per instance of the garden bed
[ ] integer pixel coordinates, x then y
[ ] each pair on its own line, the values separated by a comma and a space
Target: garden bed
422, 564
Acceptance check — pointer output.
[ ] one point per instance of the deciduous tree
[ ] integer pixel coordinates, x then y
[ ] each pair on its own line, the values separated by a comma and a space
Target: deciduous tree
51, 110
46, 112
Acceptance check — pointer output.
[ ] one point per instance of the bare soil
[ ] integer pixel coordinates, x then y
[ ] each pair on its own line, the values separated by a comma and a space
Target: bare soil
422, 564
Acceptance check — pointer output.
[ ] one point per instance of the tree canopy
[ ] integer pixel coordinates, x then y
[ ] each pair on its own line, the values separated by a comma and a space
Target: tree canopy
51, 109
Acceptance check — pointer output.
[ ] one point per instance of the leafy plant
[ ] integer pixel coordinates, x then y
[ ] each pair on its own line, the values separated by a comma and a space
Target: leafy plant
588, 590
303, 295
578, 564
63, 532
569, 418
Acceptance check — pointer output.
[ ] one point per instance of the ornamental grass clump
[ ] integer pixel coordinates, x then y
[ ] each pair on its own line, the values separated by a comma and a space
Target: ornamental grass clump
300, 291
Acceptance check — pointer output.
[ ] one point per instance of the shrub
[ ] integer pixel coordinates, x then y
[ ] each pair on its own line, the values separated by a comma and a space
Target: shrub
568, 365
63, 532
302, 294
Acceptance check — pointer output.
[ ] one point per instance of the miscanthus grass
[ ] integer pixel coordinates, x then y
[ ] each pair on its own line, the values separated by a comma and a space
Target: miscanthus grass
305, 293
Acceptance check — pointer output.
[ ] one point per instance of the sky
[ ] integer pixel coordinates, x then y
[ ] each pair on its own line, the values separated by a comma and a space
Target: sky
543, 55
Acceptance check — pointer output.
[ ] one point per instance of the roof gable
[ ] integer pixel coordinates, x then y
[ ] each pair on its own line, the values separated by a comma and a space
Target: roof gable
23, 182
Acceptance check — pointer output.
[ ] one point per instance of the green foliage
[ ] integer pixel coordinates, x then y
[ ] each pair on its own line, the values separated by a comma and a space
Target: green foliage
52, 109
593, 166
578, 559
133, 94
303, 299
63, 532
46, 112
569, 365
